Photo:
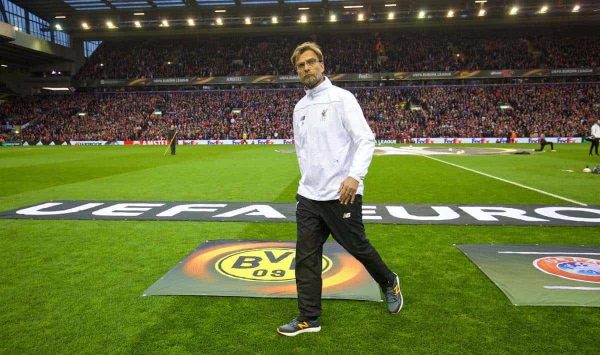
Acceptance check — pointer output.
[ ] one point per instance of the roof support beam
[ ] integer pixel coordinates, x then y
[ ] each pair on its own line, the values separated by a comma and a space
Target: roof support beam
4, 17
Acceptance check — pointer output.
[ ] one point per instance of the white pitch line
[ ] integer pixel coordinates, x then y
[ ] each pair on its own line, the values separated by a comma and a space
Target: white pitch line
507, 181
579, 288
544, 253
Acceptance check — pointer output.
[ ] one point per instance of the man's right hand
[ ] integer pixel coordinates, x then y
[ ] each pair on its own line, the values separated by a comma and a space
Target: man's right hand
348, 190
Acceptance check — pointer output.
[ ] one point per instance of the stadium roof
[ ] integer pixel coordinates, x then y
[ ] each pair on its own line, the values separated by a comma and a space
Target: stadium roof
19, 56
89, 18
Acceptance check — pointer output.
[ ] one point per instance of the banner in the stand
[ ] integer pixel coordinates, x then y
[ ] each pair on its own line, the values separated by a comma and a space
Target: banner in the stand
418, 140
390, 76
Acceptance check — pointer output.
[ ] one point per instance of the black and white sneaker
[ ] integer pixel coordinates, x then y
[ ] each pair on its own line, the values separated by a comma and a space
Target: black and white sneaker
295, 327
393, 296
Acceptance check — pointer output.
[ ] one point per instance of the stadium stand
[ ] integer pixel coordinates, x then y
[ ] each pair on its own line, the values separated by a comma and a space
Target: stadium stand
456, 107
351, 53
393, 112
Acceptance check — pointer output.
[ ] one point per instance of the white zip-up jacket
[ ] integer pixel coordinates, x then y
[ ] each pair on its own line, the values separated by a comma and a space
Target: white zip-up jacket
333, 141
596, 130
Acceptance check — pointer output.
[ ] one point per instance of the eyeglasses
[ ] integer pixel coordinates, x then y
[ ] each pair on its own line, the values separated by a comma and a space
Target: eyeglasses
307, 64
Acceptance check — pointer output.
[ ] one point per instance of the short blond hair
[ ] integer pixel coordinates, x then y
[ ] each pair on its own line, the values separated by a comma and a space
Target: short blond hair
306, 46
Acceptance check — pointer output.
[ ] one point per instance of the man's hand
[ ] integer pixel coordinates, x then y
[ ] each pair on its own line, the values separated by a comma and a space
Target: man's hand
348, 190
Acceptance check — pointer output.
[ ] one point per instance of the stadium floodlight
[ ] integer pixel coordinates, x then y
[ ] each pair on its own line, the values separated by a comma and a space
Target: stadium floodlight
85, 26
274, 19
360, 17
422, 14
303, 19
60, 16
164, 23
137, 24
481, 13
514, 10
543, 10
576, 8
138, 14
110, 25
449, 14
353, 7
332, 18
191, 22
391, 15
248, 21
58, 27
219, 21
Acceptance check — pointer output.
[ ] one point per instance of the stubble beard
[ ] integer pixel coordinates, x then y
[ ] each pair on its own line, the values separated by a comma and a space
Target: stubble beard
311, 80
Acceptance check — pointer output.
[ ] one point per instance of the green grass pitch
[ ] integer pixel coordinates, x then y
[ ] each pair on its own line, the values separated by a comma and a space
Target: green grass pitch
75, 286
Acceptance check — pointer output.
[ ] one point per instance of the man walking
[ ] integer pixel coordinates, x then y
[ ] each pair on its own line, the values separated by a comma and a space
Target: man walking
334, 146
595, 137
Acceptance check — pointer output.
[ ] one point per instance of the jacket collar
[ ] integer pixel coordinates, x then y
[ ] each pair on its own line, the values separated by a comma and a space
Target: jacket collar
324, 85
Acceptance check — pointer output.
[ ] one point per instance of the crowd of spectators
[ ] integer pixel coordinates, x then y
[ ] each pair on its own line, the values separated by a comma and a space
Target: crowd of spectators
407, 51
481, 111
392, 112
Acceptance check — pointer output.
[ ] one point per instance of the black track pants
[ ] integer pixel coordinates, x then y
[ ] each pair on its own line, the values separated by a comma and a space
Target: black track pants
316, 220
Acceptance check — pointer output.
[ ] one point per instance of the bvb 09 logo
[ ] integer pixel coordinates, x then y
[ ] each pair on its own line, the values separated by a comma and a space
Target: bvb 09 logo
263, 264
571, 268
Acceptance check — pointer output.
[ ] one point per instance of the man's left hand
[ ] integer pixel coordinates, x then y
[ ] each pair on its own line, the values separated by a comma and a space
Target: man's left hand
348, 190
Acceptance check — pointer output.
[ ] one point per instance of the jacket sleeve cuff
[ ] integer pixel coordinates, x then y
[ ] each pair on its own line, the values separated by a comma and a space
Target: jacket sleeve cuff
355, 177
